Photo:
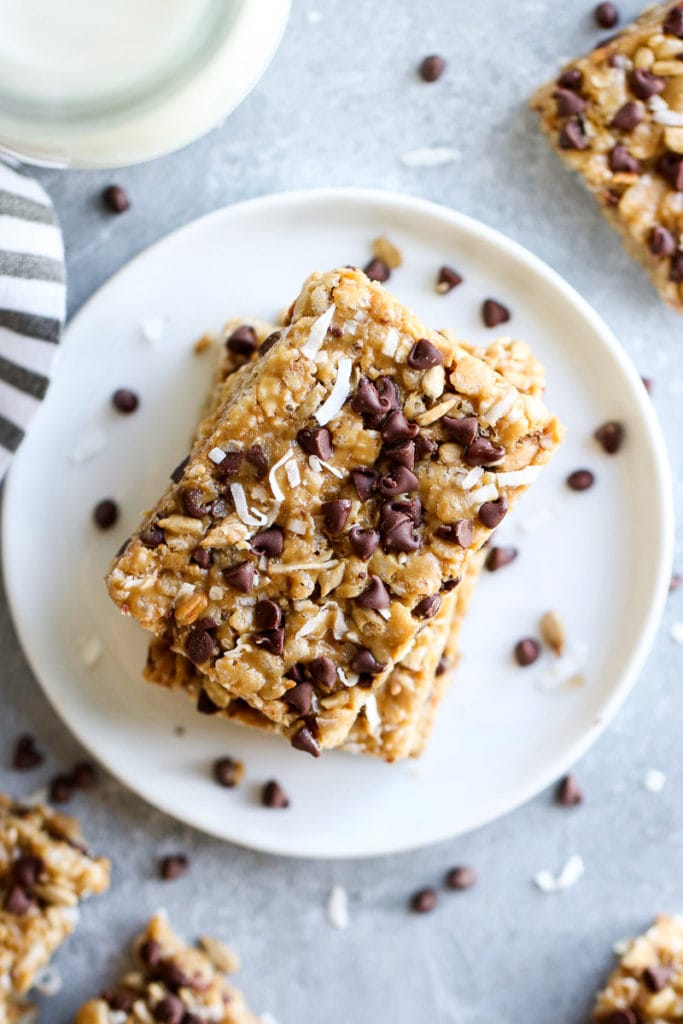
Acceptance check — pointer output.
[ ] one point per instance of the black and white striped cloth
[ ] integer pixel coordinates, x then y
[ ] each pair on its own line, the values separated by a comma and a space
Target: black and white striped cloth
32, 303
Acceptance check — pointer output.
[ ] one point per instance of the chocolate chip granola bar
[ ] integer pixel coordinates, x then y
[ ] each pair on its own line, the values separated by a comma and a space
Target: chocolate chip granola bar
350, 471
647, 984
45, 871
172, 982
615, 116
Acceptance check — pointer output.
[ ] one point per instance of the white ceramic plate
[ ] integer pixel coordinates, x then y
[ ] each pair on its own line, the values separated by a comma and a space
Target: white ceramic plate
600, 558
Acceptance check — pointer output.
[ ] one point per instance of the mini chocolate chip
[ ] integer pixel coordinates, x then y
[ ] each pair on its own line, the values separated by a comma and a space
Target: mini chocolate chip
581, 479
150, 952
84, 775
494, 313
61, 788
300, 697
572, 78
610, 435
152, 536
125, 400
648, 384
116, 199
297, 672
460, 532
26, 754
657, 977
377, 270
423, 901
427, 607
240, 577
397, 428
673, 23
442, 666
499, 557
568, 793
365, 663
399, 480
269, 542
267, 614
460, 878
316, 442
205, 706
191, 500
628, 117
269, 342
365, 482
400, 536
227, 772
323, 672
199, 645
169, 1010
172, 975
527, 651
363, 542
622, 162
670, 166
27, 870
447, 279
256, 457
492, 513
483, 452
625, 1016
569, 102
270, 640
201, 557
303, 739
173, 866
179, 471
105, 513
676, 268
18, 901
573, 136
662, 242
242, 341
463, 430
335, 514
274, 796
432, 68
119, 1000
644, 84
375, 401
229, 467
401, 454
424, 354
606, 15
375, 595
393, 511
449, 585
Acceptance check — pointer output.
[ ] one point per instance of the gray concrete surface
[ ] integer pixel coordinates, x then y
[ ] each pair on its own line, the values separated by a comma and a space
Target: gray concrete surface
338, 106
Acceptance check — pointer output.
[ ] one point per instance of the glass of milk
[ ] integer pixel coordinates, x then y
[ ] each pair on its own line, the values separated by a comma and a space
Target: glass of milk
103, 83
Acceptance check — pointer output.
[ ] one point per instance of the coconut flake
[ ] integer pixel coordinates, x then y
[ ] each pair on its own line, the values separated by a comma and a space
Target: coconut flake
293, 473
669, 118
260, 517
241, 508
337, 910
297, 526
153, 328
331, 469
304, 566
272, 478
390, 343
430, 156
315, 463
499, 408
91, 650
568, 876
312, 624
89, 445
340, 625
518, 477
332, 406
348, 680
184, 590
215, 593
318, 332
372, 715
654, 780
489, 492
472, 478
217, 455
565, 668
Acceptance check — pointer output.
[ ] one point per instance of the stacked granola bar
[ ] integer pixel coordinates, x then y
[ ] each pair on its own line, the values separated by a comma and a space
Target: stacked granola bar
314, 546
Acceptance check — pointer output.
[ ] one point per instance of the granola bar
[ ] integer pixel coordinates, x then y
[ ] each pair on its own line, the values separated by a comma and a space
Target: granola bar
45, 871
406, 451
172, 982
615, 117
647, 984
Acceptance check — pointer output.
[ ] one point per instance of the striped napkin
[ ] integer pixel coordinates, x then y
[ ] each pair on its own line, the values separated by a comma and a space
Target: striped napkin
32, 303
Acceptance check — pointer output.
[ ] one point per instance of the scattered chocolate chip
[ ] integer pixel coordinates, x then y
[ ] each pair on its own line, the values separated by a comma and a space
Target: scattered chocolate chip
569, 102
499, 557
397, 428
105, 513
242, 341
316, 442
26, 754
401, 454
125, 400
447, 279
670, 166
365, 482
657, 977
492, 513
27, 870
673, 23
581, 479
116, 199
229, 467
661, 242
205, 706
300, 697
622, 162
269, 542
256, 457
169, 1010
335, 514
463, 430
227, 772
423, 901
274, 796
427, 607
460, 532
152, 536
191, 500
606, 15
442, 666
568, 793
363, 542
365, 663
18, 901
483, 452
270, 640
172, 975
367, 402
572, 78
377, 270
644, 84
61, 788
424, 354
201, 557
527, 651
399, 480
84, 775
610, 435
173, 866
461, 877
179, 471
494, 313
628, 117
323, 673
303, 739
240, 577
573, 136
199, 645
432, 68
375, 595
267, 614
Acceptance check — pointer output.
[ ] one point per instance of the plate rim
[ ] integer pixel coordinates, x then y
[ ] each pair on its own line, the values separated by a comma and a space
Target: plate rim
663, 504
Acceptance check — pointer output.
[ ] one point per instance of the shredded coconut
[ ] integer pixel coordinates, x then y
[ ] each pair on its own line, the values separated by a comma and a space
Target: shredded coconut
184, 590
215, 593
88, 446
331, 469
304, 566
654, 780
372, 715
499, 408
241, 508
489, 492
568, 876
318, 332
472, 478
338, 908
297, 526
217, 455
391, 340
340, 625
293, 474
313, 623
153, 329
272, 477
332, 406
518, 477
430, 156
91, 650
